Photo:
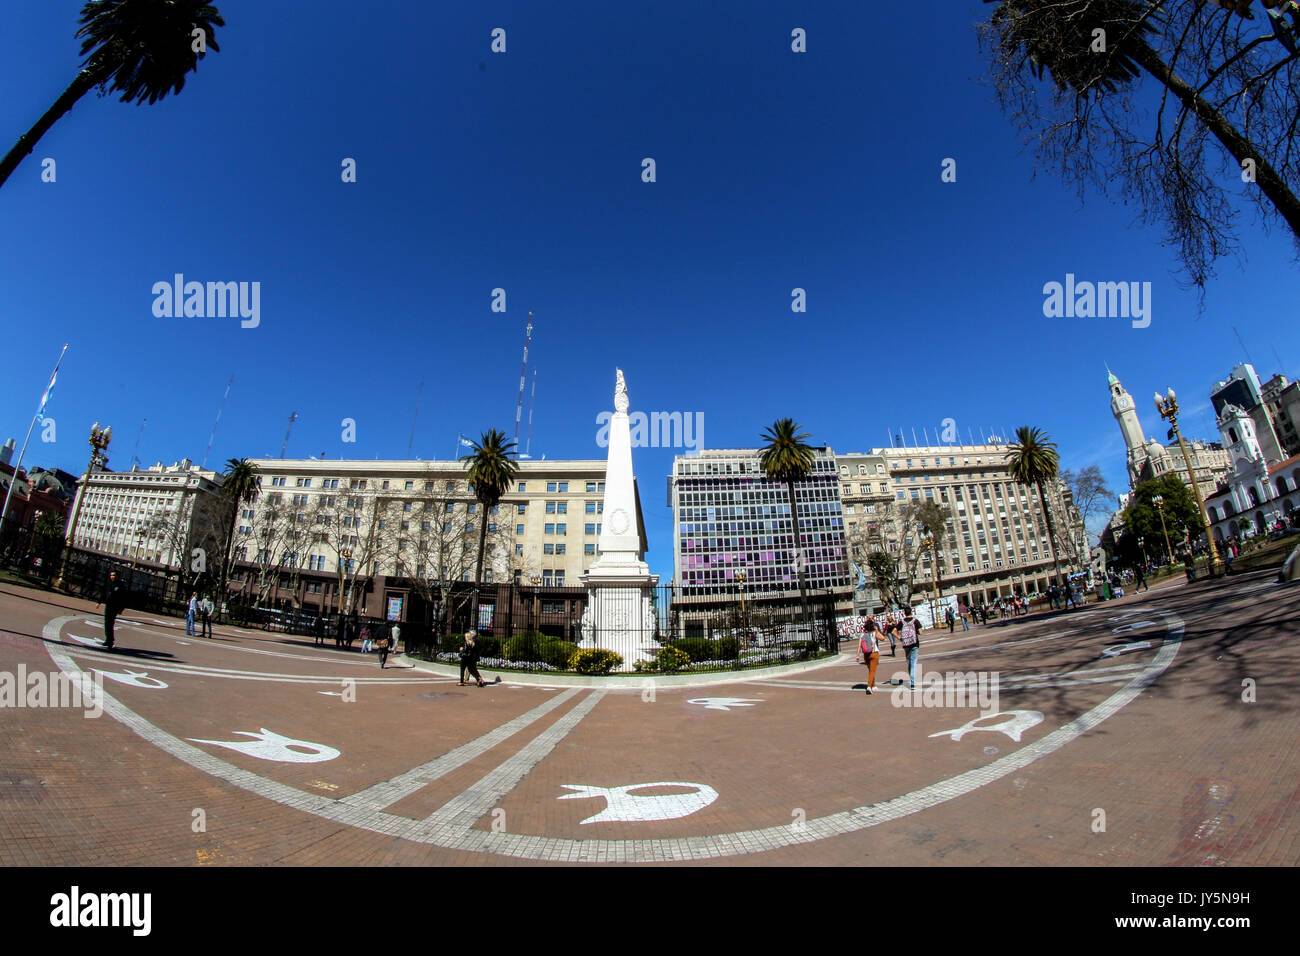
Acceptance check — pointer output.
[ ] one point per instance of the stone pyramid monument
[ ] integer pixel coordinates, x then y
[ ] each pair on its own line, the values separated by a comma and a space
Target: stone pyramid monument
620, 614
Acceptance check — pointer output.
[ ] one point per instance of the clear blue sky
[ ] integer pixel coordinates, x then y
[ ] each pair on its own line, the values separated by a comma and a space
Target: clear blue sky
522, 170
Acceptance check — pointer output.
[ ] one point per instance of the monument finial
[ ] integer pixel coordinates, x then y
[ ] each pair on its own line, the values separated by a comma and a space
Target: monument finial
620, 393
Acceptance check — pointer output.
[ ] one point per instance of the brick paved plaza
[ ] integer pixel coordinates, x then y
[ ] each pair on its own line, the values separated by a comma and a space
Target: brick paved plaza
1135, 747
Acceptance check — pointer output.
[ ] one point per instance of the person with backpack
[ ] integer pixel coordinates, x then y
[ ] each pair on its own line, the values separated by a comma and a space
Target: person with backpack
869, 653
909, 635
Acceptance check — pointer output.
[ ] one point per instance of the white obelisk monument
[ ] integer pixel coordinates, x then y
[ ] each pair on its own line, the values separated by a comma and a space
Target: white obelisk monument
620, 613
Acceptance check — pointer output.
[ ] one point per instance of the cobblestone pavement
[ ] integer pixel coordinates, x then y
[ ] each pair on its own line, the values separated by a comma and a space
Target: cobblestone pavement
1156, 729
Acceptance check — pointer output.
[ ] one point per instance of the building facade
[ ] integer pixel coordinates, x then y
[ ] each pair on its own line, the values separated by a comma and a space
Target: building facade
389, 538
1147, 458
997, 544
156, 515
728, 517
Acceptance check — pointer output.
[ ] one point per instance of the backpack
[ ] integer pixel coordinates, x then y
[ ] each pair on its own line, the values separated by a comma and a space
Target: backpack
908, 633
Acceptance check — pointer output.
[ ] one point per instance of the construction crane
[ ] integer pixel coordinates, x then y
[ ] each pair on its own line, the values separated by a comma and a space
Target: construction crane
135, 454
220, 409
292, 418
532, 400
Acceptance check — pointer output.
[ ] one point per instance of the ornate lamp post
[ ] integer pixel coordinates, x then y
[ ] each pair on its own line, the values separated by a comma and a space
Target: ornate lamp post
741, 578
99, 440
536, 579
1168, 409
929, 541
139, 539
1159, 501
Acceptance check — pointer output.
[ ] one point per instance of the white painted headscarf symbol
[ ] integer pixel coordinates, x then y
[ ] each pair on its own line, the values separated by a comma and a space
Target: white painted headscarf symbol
624, 807
269, 745
1016, 723
723, 703
134, 678
1115, 650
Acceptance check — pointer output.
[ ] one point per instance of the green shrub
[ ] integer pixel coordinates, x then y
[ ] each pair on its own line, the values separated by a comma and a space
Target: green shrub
697, 648
728, 649
537, 647
671, 659
594, 660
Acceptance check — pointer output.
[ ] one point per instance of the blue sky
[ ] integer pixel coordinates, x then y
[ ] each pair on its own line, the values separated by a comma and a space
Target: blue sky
522, 171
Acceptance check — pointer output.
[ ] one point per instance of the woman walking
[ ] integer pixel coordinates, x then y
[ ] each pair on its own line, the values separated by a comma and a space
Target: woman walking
469, 660
869, 653
382, 646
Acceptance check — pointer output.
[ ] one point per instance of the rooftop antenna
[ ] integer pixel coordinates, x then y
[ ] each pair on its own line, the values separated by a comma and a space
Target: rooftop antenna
411, 443
523, 377
135, 453
293, 417
217, 422
1243, 345
532, 400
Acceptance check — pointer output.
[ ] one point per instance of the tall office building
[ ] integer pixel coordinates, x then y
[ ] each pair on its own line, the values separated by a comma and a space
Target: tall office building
729, 517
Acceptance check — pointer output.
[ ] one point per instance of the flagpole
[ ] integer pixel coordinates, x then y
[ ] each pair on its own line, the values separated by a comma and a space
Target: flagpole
45, 397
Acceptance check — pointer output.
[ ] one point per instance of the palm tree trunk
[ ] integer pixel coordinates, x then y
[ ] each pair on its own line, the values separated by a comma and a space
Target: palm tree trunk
478, 571
1051, 534
225, 565
27, 142
799, 555
1266, 177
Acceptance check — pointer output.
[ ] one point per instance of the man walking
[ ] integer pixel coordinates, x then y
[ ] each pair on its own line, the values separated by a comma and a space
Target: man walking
191, 610
205, 609
114, 601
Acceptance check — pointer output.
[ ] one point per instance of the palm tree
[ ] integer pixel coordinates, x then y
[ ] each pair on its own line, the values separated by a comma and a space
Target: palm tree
491, 469
1034, 461
140, 48
786, 457
239, 485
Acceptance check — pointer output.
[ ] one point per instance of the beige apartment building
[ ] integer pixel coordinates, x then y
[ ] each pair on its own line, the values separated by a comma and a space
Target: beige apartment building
998, 540
154, 516
383, 538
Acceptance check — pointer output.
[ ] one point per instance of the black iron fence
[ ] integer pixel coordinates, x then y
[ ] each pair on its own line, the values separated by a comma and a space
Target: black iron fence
517, 625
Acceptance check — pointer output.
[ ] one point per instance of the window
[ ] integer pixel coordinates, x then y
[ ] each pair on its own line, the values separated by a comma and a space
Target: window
559, 549
519, 529
550, 507
385, 486
523, 487
550, 529
591, 487
519, 549
406, 506
588, 549
548, 548
546, 578
408, 486
589, 528
550, 487
564, 486
451, 486
559, 578
522, 507
449, 507
560, 528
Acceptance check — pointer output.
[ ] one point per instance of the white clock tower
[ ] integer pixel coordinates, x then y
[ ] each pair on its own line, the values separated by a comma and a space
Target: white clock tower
1121, 406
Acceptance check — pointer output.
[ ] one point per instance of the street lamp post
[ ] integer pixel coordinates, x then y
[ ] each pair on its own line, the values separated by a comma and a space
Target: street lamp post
1159, 502
742, 577
537, 581
99, 440
1168, 409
